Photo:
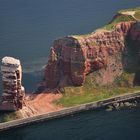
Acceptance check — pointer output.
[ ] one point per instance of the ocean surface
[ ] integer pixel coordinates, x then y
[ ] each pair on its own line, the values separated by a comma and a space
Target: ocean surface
29, 27
91, 125
27, 31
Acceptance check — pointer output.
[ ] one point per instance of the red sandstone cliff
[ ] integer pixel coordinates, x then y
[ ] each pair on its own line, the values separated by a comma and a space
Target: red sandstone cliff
74, 57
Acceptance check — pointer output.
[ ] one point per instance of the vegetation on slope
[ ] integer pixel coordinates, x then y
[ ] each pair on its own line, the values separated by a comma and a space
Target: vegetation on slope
131, 9
125, 80
118, 19
90, 92
137, 15
5, 117
71, 98
136, 10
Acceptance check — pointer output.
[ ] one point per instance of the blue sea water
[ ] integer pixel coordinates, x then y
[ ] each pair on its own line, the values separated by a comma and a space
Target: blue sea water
29, 27
91, 125
27, 31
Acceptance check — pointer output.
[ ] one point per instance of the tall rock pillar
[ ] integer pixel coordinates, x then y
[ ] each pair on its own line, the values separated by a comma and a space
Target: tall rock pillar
13, 91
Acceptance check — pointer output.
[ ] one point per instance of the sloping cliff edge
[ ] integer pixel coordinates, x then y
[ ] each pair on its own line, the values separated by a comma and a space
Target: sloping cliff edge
103, 54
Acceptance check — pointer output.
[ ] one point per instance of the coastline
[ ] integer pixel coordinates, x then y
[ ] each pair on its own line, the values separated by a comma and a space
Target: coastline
41, 108
114, 101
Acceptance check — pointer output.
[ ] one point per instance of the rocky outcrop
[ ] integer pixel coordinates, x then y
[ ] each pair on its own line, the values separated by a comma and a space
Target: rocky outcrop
13, 91
72, 58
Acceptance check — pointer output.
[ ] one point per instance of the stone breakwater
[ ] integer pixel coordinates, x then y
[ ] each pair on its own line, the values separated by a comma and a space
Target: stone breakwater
130, 100
13, 91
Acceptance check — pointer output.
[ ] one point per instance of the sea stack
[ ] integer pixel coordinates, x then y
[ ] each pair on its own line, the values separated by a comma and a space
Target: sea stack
13, 91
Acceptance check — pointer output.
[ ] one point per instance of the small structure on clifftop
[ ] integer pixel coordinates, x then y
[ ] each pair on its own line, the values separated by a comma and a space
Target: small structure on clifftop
13, 91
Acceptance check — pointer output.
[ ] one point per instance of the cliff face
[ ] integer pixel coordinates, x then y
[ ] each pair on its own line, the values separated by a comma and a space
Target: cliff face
72, 58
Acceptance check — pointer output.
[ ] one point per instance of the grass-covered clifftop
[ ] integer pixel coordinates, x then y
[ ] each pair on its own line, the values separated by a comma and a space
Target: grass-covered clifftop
135, 11
117, 19
125, 15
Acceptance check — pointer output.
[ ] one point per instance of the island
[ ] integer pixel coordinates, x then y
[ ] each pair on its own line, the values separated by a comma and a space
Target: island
80, 69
